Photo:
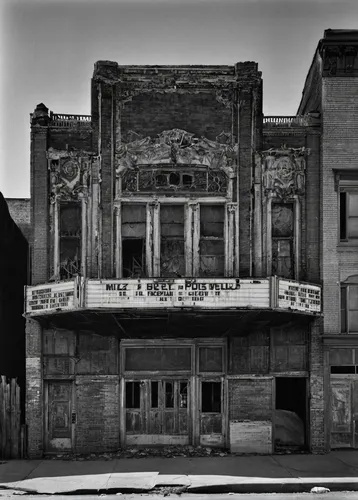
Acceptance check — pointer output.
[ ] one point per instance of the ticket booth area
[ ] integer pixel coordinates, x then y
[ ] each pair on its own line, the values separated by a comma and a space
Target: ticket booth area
173, 392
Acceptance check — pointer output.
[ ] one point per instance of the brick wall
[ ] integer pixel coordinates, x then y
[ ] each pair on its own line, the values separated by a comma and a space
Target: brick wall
339, 149
69, 138
39, 205
200, 114
316, 379
97, 405
107, 185
34, 388
250, 399
19, 209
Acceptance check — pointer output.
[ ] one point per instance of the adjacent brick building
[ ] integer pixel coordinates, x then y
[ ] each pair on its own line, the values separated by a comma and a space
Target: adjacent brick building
14, 274
331, 89
178, 255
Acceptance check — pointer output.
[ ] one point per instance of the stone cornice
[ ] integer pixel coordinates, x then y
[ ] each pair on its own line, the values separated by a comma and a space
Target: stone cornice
56, 154
226, 85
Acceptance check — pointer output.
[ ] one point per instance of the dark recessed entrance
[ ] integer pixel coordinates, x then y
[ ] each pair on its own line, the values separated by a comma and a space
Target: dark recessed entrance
291, 413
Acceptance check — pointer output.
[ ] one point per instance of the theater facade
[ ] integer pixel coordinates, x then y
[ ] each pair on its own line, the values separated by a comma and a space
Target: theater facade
176, 294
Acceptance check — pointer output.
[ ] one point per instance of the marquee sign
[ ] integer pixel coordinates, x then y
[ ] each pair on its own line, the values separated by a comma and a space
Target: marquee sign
299, 296
152, 293
49, 297
198, 293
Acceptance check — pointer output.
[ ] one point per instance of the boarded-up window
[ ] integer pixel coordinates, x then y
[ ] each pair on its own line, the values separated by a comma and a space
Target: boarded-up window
256, 395
172, 260
250, 353
212, 249
289, 349
133, 240
70, 239
97, 354
282, 240
157, 358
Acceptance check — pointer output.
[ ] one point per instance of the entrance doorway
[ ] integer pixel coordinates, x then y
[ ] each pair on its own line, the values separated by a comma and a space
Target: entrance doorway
58, 416
291, 413
157, 412
344, 410
211, 413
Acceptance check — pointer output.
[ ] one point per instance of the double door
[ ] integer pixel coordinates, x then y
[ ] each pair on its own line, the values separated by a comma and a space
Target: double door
157, 411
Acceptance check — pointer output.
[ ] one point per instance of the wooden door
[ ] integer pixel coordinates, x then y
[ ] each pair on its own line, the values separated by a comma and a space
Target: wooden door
59, 426
175, 407
211, 412
344, 412
159, 413
342, 433
135, 406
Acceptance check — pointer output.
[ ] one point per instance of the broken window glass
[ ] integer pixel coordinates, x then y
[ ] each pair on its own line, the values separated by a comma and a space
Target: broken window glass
183, 395
169, 394
133, 240
212, 249
155, 394
282, 240
172, 261
211, 397
70, 239
132, 395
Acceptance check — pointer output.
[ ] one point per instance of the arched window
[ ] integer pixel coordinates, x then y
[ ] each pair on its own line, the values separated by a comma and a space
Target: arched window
349, 305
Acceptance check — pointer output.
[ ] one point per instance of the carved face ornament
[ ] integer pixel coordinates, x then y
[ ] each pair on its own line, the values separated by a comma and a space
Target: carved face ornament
284, 168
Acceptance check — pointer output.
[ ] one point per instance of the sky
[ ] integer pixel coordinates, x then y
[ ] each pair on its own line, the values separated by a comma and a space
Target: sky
49, 47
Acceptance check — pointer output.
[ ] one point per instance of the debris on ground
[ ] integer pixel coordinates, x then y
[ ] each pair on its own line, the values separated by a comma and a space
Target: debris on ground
164, 452
160, 452
320, 489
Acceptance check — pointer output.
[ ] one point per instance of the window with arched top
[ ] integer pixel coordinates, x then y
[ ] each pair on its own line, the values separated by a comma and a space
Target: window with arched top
349, 305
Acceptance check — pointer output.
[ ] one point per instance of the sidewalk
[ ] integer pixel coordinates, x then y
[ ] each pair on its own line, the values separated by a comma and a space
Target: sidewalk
337, 470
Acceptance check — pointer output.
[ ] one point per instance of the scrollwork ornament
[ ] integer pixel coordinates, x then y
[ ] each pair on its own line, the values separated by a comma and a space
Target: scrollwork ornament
69, 176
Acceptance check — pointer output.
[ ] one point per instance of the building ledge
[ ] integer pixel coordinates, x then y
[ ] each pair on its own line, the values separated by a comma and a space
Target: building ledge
291, 121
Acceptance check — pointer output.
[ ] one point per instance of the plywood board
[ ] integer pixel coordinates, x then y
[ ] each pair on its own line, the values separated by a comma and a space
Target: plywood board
250, 436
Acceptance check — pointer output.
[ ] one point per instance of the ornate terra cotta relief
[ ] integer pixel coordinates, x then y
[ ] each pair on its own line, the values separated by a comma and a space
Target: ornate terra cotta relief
178, 148
69, 174
283, 171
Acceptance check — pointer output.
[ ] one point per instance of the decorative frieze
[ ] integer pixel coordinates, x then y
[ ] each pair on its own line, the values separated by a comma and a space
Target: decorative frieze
283, 171
177, 147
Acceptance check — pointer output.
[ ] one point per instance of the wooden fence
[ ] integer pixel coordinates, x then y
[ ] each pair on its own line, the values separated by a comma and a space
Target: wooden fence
12, 433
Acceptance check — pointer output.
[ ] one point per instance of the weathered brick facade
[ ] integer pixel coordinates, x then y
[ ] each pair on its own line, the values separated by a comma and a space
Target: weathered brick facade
148, 217
331, 90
